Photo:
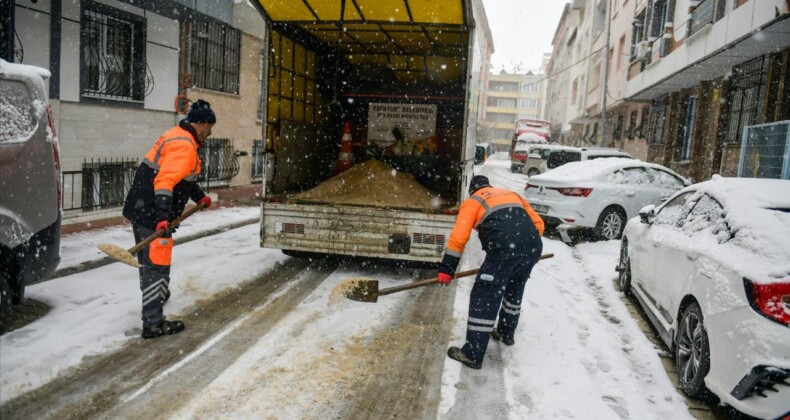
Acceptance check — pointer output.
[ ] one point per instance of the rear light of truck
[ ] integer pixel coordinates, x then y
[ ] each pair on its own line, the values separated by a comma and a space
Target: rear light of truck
451, 212
770, 300
574, 192
56, 157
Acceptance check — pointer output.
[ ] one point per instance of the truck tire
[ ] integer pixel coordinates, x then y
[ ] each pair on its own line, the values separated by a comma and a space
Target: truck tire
6, 301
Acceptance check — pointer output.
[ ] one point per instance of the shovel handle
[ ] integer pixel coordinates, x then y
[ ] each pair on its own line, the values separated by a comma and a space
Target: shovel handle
144, 243
436, 280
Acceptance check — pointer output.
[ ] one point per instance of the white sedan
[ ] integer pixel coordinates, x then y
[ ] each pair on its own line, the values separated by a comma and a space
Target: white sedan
711, 268
600, 193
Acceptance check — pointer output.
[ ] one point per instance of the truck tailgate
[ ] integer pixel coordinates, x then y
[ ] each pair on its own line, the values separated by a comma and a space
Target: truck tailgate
356, 231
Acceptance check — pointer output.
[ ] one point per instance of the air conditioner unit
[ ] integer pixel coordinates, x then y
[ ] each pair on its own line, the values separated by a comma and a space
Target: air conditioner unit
642, 51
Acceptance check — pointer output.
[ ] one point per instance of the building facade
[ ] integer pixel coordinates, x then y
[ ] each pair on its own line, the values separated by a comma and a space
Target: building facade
124, 71
511, 97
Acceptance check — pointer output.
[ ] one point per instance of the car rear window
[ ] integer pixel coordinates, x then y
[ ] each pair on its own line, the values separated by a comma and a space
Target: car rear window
17, 115
559, 158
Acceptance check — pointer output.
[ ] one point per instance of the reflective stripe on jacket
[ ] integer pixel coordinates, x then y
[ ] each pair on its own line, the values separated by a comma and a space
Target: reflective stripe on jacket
175, 157
173, 161
507, 226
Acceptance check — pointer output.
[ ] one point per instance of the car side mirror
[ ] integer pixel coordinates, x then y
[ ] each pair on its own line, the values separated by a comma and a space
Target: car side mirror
647, 213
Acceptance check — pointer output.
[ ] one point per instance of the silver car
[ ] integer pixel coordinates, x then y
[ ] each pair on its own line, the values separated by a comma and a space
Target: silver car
30, 197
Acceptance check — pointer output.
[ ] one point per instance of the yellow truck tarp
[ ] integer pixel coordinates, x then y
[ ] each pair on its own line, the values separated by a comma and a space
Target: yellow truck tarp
417, 39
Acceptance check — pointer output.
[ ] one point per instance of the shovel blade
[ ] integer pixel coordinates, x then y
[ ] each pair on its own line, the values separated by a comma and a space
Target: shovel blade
119, 254
363, 291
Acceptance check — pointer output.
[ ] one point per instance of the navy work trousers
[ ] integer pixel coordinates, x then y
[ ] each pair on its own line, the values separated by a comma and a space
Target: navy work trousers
154, 281
499, 288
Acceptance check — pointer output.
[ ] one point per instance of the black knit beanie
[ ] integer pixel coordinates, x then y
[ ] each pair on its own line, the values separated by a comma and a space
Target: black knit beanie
201, 113
478, 181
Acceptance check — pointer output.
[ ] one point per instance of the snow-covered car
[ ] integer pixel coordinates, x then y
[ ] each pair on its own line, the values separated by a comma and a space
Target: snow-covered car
30, 197
560, 157
711, 268
601, 194
538, 155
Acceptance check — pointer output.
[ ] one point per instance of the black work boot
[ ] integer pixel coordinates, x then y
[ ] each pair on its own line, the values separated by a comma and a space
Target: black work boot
456, 353
508, 341
165, 328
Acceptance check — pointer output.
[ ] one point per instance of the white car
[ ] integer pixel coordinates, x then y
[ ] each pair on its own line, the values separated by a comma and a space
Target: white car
601, 194
711, 268
536, 160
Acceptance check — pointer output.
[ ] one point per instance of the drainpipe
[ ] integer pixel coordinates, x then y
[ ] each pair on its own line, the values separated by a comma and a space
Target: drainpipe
606, 71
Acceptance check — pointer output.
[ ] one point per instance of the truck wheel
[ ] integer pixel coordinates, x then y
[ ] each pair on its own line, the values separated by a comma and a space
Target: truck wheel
5, 301
533, 172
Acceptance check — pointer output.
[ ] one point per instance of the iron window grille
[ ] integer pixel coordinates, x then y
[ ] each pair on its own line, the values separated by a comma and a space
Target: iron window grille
112, 54
256, 171
658, 120
218, 163
215, 56
748, 91
101, 183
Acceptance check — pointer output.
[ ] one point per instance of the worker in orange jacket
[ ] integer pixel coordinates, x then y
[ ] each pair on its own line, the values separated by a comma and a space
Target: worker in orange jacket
162, 185
510, 232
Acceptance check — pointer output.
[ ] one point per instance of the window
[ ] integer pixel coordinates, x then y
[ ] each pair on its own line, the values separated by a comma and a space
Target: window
261, 79
630, 176
214, 56
674, 210
528, 103
664, 179
620, 52
104, 182
707, 219
503, 86
637, 34
501, 102
595, 76
688, 129
748, 91
632, 124
256, 171
530, 87
657, 123
641, 131
574, 90
658, 18
113, 53
218, 162
500, 117
617, 133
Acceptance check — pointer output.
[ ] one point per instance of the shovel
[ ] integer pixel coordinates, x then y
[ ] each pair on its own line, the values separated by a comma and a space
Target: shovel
368, 290
126, 256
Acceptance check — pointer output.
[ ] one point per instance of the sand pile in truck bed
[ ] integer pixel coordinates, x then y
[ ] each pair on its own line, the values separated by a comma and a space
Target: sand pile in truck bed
375, 183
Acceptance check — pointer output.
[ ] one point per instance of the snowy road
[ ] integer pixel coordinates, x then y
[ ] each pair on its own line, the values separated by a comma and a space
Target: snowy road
265, 339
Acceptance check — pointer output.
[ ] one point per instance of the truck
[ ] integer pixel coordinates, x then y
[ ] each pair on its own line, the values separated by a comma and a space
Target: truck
377, 84
528, 132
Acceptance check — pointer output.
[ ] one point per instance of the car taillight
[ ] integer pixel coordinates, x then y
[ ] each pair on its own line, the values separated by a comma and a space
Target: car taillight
528, 186
56, 156
771, 300
574, 192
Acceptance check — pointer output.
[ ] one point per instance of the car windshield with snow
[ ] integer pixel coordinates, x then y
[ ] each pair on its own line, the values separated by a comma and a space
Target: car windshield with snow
711, 267
601, 194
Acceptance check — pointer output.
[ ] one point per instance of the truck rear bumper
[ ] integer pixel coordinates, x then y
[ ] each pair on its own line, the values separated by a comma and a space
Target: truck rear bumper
356, 231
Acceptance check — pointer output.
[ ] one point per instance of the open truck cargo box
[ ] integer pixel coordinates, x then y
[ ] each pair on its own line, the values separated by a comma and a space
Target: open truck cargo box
402, 74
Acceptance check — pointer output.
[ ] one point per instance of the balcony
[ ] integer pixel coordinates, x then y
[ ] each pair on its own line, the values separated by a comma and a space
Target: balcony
750, 31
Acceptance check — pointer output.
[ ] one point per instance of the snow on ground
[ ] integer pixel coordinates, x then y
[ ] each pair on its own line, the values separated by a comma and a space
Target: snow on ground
578, 354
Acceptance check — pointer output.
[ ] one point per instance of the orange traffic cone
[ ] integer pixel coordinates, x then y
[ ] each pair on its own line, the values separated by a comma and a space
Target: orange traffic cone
345, 158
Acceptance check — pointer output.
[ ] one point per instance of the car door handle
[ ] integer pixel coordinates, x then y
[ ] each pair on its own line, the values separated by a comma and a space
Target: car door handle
630, 193
691, 256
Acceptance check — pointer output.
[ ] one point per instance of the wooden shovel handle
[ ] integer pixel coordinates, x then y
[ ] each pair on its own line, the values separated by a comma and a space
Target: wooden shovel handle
144, 243
436, 280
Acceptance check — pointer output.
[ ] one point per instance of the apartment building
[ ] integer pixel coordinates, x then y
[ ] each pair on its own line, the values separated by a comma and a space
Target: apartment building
709, 69
124, 71
511, 97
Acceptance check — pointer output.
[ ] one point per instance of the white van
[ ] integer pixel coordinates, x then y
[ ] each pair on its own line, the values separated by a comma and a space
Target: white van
560, 157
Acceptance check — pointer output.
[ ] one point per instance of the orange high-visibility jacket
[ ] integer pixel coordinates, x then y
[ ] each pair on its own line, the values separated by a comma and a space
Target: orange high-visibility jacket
506, 223
175, 157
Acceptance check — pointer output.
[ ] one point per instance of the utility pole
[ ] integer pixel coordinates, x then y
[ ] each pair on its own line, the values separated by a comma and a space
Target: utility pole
608, 20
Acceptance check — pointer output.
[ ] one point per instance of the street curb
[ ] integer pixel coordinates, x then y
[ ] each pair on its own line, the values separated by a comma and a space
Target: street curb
101, 262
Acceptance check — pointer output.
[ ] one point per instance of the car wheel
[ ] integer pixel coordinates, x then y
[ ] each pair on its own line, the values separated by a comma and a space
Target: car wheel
610, 224
624, 268
533, 172
5, 301
692, 353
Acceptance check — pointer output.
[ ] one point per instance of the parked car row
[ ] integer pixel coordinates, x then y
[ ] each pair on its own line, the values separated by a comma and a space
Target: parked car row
709, 263
711, 268
535, 159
